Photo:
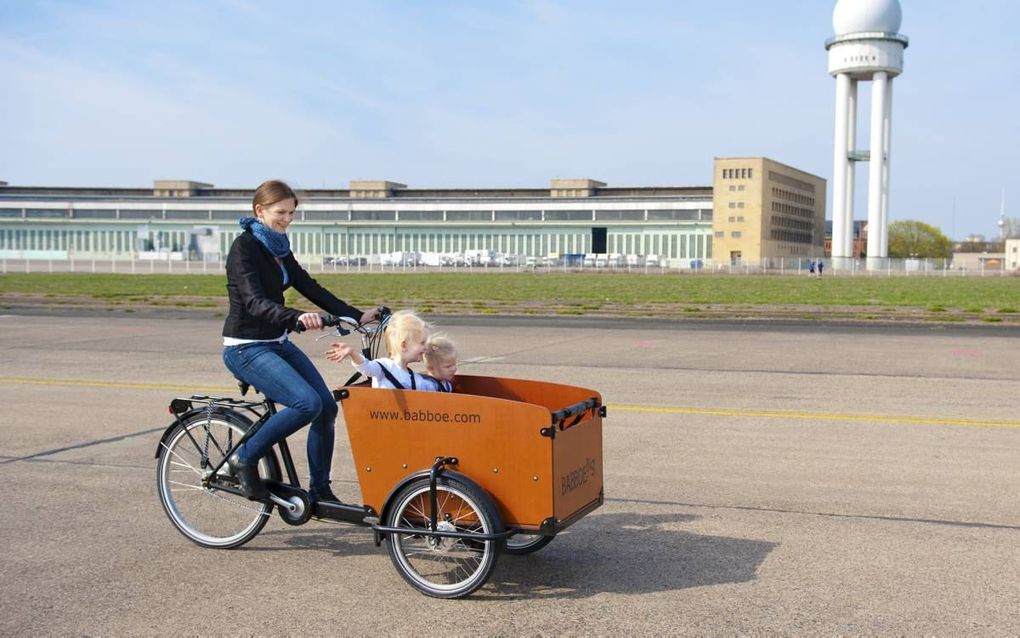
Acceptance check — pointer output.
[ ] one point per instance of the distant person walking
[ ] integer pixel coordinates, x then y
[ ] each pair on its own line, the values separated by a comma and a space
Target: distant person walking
811, 267
821, 265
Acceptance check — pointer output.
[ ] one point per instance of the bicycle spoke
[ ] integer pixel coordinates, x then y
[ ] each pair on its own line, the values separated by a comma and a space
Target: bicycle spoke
181, 461
221, 517
237, 503
443, 566
189, 486
212, 437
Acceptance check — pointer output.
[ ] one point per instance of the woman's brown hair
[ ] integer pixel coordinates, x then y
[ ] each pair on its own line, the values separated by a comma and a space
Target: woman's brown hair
271, 191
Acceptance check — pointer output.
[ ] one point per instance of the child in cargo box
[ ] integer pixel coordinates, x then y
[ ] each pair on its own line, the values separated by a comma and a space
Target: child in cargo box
407, 341
441, 361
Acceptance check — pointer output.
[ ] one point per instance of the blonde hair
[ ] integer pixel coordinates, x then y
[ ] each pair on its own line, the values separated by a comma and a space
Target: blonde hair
439, 348
403, 325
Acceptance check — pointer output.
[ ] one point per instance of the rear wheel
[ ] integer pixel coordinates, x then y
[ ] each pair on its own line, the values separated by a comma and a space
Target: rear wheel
206, 515
438, 566
521, 544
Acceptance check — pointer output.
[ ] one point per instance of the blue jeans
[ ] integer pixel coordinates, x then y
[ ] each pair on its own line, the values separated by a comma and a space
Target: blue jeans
283, 373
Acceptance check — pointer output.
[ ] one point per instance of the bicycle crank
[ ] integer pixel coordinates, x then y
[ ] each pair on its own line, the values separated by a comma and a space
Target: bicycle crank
293, 503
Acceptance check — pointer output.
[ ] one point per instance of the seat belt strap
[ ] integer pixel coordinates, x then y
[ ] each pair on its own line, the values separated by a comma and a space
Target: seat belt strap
392, 379
444, 386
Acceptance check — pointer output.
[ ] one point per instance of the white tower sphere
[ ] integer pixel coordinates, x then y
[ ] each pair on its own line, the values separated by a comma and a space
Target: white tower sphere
856, 16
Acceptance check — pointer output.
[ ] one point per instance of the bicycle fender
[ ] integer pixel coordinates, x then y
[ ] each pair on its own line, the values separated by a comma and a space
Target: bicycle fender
423, 474
162, 439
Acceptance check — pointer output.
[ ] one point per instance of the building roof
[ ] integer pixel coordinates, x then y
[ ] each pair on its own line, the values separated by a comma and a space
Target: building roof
211, 192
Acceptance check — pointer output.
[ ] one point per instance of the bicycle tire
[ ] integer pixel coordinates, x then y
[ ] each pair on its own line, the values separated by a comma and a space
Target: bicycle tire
437, 566
205, 515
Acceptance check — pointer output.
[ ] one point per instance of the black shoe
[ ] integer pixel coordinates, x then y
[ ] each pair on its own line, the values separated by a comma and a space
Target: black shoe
248, 476
323, 495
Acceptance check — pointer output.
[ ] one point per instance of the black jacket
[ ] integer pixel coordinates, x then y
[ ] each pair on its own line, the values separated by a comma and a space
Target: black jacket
255, 289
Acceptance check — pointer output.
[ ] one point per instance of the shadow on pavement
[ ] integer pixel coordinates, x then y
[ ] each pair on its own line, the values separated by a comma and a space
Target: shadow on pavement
619, 552
627, 553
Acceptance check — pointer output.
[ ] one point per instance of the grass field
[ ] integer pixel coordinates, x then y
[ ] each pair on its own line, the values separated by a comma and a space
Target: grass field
993, 298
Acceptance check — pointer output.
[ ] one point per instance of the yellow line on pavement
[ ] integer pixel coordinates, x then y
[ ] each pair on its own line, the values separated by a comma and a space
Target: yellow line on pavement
111, 384
809, 416
816, 416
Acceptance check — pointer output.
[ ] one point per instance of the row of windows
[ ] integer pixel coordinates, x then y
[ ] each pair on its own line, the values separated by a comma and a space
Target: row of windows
791, 182
66, 240
737, 173
787, 222
531, 244
734, 234
795, 249
859, 58
737, 187
790, 209
84, 243
736, 204
371, 215
794, 236
793, 197
736, 219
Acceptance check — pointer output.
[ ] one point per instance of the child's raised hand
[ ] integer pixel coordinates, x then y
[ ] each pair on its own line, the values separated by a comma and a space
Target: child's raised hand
338, 352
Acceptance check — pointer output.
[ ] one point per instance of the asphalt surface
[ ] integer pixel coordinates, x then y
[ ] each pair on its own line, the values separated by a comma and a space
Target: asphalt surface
760, 479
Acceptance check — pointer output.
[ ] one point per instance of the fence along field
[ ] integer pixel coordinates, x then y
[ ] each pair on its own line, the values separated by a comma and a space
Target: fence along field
178, 263
620, 294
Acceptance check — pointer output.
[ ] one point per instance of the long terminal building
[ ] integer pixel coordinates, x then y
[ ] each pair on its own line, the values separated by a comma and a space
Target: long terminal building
756, 209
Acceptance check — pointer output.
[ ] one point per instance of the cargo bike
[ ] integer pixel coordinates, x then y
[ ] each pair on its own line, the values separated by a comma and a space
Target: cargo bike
448, 480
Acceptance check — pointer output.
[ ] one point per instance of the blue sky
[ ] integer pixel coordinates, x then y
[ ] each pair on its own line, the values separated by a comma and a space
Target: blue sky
496, 94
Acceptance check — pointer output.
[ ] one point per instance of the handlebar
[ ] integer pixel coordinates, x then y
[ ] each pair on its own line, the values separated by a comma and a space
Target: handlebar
338, 322
371, 332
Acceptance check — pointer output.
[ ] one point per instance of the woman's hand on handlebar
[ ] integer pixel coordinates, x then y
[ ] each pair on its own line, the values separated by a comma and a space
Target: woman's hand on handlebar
370, 315
311, 321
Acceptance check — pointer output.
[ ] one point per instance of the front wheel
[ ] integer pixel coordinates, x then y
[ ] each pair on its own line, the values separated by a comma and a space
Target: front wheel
438, 566
206, 515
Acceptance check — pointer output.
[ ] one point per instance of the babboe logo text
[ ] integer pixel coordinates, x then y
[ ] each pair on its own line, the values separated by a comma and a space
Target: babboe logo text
577, 477
424, 416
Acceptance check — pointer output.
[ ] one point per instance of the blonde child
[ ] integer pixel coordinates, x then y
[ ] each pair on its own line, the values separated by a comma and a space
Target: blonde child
405, 337
441, 363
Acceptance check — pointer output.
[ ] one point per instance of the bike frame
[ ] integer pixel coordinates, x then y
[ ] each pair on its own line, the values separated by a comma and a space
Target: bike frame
263, 410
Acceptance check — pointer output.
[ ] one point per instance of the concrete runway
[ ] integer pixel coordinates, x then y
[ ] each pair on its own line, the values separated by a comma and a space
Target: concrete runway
759, 480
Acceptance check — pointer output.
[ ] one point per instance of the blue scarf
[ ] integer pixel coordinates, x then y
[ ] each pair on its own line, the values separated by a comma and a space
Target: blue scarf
277, 243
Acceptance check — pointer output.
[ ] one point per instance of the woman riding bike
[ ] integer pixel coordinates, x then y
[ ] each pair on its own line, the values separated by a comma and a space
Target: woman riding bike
260, 267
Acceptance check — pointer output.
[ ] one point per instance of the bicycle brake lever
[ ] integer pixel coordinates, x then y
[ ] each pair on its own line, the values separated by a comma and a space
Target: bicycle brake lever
340, 332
